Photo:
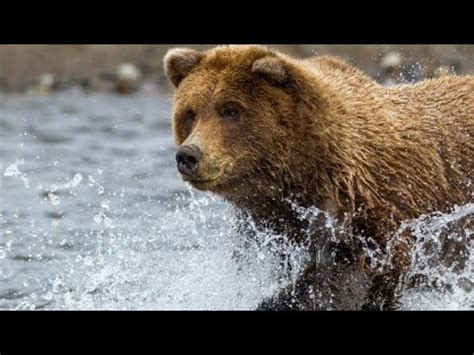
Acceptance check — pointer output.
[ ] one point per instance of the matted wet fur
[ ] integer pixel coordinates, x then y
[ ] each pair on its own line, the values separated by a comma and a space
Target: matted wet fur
272, 129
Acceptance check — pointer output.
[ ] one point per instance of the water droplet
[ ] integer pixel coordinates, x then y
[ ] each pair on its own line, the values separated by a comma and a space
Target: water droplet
97, 218
55, 200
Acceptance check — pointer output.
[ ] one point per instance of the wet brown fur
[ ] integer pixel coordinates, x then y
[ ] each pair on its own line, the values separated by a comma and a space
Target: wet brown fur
321, 131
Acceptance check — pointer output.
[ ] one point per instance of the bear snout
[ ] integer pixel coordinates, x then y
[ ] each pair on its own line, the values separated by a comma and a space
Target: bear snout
188, 158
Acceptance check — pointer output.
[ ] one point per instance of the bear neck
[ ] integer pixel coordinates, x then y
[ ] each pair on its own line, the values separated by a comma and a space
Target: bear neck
335, 137
279, 216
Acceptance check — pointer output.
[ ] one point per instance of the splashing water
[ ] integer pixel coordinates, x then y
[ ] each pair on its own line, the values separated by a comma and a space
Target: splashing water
98, 218
12, 170
443, 258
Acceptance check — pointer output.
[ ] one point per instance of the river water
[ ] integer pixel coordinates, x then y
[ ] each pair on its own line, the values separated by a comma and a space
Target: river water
93, 215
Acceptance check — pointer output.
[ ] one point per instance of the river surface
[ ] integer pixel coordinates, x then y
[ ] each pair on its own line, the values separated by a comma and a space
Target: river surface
93, 215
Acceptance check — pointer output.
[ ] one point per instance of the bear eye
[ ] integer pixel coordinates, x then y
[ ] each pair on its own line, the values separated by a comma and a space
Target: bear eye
189, 115
230, 111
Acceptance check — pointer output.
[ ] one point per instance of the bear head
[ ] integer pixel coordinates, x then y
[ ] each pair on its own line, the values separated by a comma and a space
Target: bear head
237, 121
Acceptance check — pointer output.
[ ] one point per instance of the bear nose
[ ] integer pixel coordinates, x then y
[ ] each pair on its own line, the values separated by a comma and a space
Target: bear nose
188, 157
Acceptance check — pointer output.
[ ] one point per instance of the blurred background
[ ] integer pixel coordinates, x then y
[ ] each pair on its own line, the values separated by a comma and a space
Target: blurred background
126, 68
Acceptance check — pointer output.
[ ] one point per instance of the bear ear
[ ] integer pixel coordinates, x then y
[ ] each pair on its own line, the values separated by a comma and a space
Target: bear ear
272, 69
178, 62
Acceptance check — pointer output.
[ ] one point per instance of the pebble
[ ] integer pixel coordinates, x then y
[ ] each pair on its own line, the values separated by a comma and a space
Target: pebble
45, 85
128, 78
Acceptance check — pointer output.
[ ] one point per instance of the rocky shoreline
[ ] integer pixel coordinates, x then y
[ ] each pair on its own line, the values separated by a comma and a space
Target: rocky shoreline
125, 69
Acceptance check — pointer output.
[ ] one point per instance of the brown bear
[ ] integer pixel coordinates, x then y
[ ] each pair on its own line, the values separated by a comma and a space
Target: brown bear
266, 131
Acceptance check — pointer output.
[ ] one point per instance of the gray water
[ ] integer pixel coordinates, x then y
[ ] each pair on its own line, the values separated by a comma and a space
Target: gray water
93, 215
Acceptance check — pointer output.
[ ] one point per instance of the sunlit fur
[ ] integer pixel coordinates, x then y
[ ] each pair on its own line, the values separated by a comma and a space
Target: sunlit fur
322, 132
